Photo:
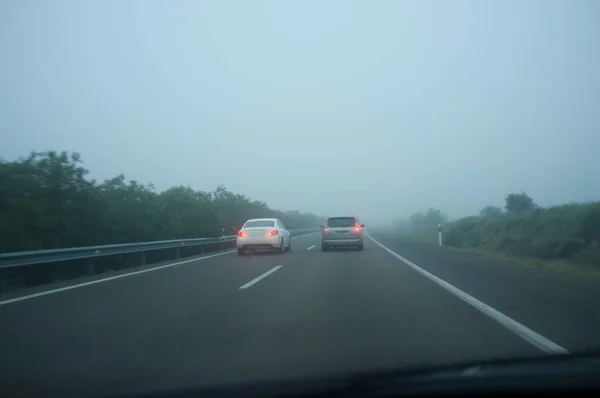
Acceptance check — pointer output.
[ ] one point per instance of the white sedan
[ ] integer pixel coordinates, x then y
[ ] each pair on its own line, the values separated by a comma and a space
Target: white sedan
263, 234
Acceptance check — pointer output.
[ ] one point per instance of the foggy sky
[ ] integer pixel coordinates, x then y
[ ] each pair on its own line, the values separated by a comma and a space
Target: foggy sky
371, 108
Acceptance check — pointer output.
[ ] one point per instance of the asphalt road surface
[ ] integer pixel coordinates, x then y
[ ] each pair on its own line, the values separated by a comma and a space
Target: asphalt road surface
225, 318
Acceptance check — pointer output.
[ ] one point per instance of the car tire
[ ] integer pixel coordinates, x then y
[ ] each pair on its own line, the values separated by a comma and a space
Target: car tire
360, 247
323, 247
281, 247
241, 252
289, 246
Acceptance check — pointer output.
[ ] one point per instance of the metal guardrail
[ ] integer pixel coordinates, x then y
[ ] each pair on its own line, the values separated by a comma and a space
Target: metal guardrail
17, 259
35, 259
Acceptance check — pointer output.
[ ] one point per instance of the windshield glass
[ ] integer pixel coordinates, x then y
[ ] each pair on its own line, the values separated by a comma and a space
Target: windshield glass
259, 223
177, 180
339, 222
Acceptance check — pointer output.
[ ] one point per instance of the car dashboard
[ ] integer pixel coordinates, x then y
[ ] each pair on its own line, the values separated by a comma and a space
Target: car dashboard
570, 375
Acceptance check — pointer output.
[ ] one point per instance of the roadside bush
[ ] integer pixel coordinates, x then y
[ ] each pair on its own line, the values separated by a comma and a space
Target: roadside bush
490, 211
569, 231
590, 227
461, 233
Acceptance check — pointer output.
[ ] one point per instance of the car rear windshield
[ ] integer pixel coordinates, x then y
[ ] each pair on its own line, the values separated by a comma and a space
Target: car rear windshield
259, 223
340, 222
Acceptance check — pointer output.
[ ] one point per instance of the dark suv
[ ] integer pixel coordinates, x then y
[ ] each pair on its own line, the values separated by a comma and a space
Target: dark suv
342, 231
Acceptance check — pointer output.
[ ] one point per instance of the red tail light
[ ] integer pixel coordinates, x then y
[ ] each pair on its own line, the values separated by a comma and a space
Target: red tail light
273, 232
357, 229
241, 234
325, 229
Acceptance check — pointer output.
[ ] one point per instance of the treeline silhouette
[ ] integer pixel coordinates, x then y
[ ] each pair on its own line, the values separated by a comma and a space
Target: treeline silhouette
47, 201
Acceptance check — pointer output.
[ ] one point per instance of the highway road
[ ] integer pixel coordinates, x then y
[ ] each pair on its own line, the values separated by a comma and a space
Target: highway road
224, 318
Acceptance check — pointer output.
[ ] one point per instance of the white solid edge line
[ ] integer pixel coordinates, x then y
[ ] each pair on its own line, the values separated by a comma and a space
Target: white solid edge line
258, 278
110, 278
517, 328
311, 247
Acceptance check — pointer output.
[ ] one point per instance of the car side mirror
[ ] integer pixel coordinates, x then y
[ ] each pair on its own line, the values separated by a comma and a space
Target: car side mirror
362, 225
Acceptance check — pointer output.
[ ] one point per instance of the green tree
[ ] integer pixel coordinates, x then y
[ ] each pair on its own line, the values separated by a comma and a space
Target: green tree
47, 202
131, 211
519, 203
427, 220
187, 213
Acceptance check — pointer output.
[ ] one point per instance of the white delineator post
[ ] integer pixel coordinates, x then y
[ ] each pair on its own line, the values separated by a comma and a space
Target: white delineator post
440, 234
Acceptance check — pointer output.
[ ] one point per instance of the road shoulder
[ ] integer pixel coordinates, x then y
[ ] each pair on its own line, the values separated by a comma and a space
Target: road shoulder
560, 307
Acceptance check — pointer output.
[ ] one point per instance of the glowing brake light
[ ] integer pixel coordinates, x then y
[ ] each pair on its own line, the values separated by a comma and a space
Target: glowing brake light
241, 234
325, 229
273, 232
357, 228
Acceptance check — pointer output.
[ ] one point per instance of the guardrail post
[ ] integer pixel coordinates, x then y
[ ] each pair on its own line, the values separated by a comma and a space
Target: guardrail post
91, 267
3, 281
143, 258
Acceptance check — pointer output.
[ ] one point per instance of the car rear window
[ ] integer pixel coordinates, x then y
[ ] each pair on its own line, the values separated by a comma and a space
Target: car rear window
340, 222
259, 223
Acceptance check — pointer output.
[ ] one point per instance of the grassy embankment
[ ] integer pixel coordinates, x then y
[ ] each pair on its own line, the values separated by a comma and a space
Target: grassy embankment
563, 238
